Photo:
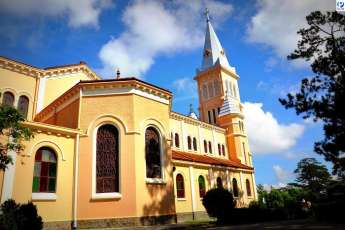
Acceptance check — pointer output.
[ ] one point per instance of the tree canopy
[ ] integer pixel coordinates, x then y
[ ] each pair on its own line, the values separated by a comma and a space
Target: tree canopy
322, 97
12, 132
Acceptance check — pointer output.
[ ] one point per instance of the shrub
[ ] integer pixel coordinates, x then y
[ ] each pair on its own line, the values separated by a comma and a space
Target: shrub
19, 216
219, 203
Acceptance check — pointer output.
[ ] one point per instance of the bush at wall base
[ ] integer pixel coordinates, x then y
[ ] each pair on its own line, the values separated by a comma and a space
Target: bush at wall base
219, 203
19, 216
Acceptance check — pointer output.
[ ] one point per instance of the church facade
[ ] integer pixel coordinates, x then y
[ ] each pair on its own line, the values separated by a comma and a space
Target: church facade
112, 152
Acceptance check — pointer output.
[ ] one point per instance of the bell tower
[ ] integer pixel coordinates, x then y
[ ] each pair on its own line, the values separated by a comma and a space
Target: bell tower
219, 97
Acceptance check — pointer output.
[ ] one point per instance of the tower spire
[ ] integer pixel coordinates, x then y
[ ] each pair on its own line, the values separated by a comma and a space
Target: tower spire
213, 50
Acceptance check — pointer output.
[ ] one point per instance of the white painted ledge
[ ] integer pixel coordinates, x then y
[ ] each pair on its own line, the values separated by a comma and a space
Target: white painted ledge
43, 196
155, 181
102, 196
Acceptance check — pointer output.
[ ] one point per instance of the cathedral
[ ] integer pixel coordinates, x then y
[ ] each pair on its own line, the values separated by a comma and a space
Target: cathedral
111, 152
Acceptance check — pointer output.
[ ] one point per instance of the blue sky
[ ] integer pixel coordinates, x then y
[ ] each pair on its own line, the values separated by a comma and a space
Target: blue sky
161, 42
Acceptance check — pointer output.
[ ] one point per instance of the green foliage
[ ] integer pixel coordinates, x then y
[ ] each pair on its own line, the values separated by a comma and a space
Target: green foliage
219, 203
12, 132
322, 97
19, 217
312, 176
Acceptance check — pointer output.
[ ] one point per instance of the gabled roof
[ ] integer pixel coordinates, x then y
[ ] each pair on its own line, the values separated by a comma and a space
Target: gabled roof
197, 158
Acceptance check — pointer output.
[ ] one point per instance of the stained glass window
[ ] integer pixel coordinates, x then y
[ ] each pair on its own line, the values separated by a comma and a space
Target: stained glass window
107, 159
235, 187
202, 186
23, 105
219, 182
45, 171
152, 153
180, 186
8, 99
249, 191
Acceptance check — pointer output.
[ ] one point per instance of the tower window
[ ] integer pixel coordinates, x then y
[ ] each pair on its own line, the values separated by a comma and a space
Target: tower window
204, 91
216, 88
219, 151
210, 147
210, 89
205, 146
223, 150
244, 152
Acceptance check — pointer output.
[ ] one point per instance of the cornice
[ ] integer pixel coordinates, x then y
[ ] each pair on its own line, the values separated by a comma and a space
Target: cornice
51, 129
189, 120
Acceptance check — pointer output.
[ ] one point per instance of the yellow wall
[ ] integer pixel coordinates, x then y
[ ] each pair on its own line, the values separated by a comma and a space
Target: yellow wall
18, 84
183, 205
61, 208
57, 85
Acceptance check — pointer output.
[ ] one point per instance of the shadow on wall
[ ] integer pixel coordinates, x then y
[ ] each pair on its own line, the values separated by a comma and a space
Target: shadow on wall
161, 207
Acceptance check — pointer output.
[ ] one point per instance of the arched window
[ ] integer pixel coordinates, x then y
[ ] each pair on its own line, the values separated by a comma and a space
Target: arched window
249, 191
223, 150
205, 146
153, 153
8, 99
219, 150
177, 140
23, 105
195, 147
210, 89
45, 171
202, 186
235, 187
180, 186
189, 142
107, 159
204, 91
219, 182
210, 147
216, 88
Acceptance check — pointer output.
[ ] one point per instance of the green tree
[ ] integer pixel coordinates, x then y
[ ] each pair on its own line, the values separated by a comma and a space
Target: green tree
12, 132
312, 176
322, 97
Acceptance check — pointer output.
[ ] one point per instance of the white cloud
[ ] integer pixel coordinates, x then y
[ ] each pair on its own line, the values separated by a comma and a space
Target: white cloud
266, 134
78, 12
277, 21
281, 175
185, 89
157, 28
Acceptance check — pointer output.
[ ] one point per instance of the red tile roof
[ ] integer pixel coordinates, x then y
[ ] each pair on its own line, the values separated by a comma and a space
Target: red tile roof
178, 155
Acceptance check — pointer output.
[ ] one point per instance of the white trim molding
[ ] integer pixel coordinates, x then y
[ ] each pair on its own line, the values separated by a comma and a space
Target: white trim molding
43, 196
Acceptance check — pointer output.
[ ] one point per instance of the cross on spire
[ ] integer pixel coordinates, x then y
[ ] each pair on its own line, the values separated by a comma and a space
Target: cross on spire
207, 14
